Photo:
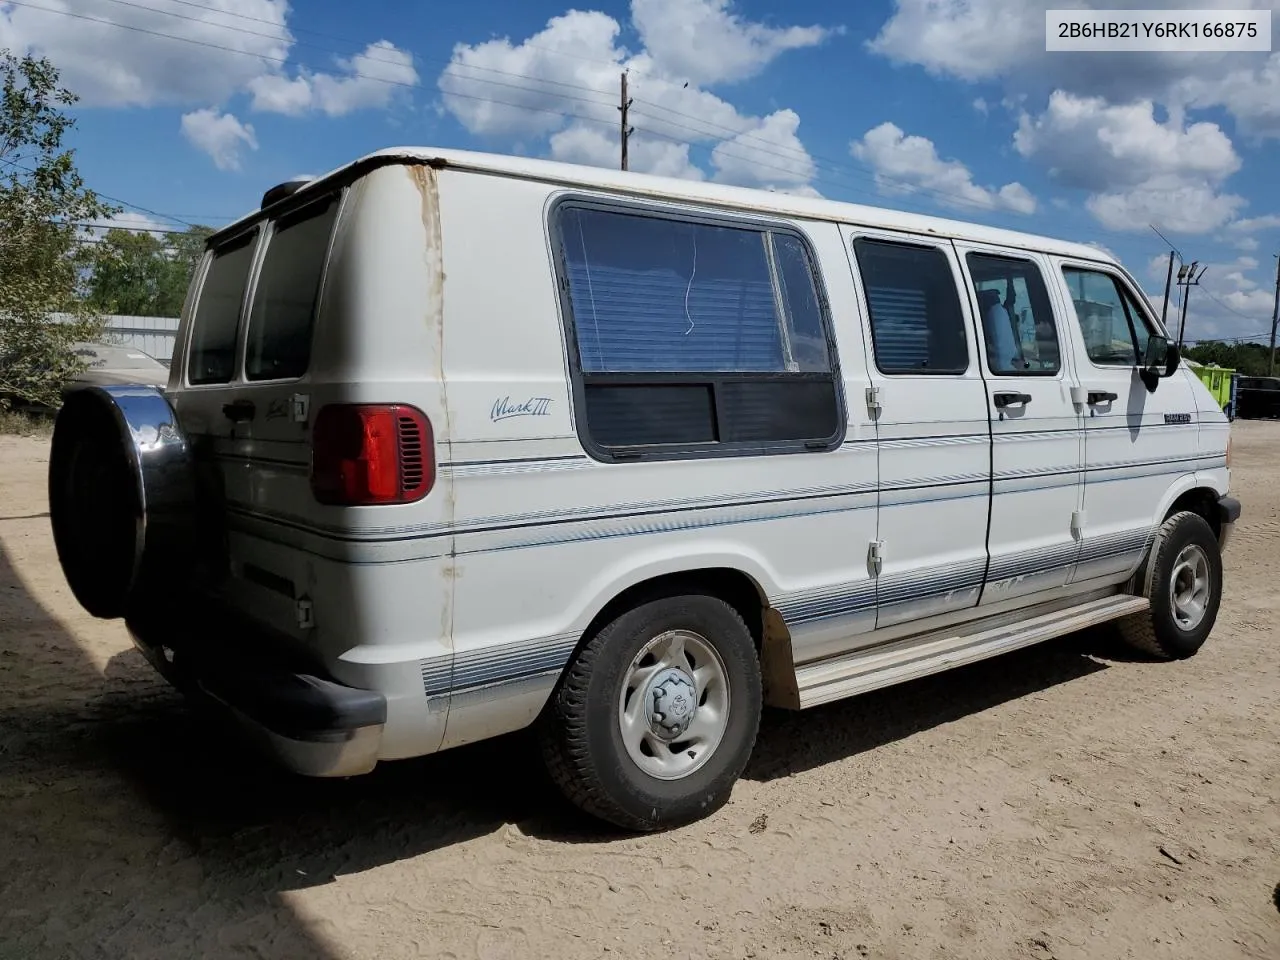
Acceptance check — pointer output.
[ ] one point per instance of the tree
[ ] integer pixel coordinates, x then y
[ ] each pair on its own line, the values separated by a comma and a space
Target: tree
1249, 359
42, 258
142, 275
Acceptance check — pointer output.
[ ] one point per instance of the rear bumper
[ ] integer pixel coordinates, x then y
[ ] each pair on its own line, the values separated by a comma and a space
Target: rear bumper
1228, 513
307, 723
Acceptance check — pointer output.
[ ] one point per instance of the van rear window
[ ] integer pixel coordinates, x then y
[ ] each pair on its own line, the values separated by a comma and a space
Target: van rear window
706, 333
287, 292
212, 356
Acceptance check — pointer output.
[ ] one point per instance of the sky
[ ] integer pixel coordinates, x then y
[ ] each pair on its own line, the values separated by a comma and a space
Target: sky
190, 109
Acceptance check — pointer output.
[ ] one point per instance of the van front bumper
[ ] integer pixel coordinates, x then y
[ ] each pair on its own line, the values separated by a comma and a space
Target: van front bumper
307, 723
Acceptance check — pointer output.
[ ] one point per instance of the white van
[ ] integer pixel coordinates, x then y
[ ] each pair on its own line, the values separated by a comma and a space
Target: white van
456, 444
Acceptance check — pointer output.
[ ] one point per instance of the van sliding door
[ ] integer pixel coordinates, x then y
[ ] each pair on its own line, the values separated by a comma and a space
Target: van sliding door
934, 438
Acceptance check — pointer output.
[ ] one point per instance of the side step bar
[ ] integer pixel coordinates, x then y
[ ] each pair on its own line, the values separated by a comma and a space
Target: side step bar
903, 660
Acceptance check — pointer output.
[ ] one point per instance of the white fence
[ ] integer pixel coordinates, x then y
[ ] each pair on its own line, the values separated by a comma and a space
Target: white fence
153, 335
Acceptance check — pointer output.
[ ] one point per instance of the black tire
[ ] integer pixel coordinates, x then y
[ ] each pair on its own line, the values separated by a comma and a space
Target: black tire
580, 735
1157, 631
94, 508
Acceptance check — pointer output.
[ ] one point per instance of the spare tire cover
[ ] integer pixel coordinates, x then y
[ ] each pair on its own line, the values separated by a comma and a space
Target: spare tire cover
120, 493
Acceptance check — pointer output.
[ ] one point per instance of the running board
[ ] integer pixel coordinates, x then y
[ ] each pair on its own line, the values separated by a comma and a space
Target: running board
904, 660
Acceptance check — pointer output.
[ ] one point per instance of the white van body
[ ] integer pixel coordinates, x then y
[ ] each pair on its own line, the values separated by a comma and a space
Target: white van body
875, 501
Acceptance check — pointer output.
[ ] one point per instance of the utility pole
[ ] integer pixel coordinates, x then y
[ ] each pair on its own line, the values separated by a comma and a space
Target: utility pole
1187, 278
1168, 280
1275, 317
625, 131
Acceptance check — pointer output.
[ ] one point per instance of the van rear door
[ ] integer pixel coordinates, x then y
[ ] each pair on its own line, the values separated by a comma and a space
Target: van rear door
245, 399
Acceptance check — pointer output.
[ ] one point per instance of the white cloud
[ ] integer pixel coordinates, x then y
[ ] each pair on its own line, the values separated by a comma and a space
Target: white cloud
369, 80
127, 220
705, 42
1270, 221
905, 164
108, 64
981, 106
976, 40
1251, 93
1088, 142
1141, 170
569, 93
1229, 302
220, 135
594, 147
1174, 204
969, 39
118, 55
770, 154
1247, 244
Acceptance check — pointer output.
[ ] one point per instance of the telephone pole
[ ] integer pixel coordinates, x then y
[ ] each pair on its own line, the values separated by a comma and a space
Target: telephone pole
625, 130
1275, 318
1187, 278
1168, 280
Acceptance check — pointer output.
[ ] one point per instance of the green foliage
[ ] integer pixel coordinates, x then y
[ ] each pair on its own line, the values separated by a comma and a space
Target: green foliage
141, 275
42, 197
1249, 359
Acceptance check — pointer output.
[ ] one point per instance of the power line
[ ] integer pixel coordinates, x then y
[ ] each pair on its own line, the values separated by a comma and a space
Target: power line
342, 39
107, 196
312, 46
791, 156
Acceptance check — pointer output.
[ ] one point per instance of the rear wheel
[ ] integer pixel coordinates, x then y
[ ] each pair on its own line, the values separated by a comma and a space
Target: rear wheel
656, 717
1182, 577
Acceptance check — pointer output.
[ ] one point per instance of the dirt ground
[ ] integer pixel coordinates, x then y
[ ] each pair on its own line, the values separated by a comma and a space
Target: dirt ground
1067, 801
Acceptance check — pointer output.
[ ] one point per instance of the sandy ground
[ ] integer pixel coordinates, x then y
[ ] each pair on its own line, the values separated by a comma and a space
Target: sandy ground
1067, 801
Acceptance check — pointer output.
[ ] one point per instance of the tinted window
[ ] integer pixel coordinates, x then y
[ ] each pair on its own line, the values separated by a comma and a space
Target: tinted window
284, 299
1017, 317
217, 318
916, 322
1114, 329
695, 333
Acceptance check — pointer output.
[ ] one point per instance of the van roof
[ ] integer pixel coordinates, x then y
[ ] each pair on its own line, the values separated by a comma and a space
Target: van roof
693, 191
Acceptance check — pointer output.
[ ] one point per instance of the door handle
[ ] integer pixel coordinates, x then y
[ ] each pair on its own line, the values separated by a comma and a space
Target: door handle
238, 410
1009, 398
1101, 396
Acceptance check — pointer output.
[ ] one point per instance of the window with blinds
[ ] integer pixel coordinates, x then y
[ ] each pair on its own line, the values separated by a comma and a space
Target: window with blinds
917, 325
695, 336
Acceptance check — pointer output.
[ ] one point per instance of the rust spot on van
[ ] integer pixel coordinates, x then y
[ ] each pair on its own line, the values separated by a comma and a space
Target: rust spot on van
424, 179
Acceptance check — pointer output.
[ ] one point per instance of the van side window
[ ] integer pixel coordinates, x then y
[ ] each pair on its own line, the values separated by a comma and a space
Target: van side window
917, 325
691, 332
212, 355
1114, 328
284, 298
1017, 316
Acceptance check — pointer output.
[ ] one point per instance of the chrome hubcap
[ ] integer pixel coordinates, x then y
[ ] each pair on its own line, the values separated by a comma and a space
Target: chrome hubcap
674, 705
1189, 586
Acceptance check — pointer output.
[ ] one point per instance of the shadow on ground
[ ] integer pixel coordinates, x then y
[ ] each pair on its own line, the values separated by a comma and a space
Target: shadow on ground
129, 818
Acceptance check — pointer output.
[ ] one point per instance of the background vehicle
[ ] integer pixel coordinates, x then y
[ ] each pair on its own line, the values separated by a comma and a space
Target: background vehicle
453, 444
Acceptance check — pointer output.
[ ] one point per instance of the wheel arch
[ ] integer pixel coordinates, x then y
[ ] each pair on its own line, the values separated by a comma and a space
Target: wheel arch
743, 584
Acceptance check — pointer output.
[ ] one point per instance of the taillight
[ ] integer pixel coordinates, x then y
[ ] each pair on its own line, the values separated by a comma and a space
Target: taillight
364, 454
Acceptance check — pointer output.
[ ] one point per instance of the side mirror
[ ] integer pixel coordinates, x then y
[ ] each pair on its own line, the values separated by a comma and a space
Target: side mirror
1161, 357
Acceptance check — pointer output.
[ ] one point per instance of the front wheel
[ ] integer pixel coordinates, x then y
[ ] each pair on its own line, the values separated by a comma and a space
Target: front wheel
1182, 577
656, 717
